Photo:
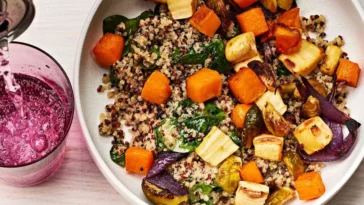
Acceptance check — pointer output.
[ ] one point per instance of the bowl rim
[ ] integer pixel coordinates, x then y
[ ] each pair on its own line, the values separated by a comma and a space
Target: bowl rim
72, 101
106, 171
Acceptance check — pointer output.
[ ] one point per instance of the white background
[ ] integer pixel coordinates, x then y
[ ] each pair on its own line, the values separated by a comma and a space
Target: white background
56, 29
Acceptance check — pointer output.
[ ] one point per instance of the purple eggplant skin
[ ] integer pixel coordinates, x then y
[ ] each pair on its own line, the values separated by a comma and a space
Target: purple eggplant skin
163, 160
167, 182
339, 147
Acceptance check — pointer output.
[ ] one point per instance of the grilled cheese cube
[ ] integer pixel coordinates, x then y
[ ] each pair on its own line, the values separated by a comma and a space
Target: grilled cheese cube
216, 147
313, 134
249, 193
245, 63
304, 61
268, 147
182, 9
273, 98
241, 48
331, 59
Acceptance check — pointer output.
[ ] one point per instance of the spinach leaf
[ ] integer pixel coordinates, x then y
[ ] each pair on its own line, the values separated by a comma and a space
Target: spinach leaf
216, 50
156, 10
114, 80
117, 153
219, 62
155, 50
282, 70
186, 103
159, 139
110, 23
175, 54
192, 58
190, 145
203, 123
204, 189
236, 139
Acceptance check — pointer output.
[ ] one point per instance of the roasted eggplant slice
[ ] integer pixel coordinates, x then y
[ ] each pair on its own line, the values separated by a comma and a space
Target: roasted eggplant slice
160, 196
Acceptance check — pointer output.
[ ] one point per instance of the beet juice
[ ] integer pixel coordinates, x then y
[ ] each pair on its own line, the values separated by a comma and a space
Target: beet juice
30, 130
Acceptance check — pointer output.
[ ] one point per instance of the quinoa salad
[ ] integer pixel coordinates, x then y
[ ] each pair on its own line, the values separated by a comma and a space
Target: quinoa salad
227, 102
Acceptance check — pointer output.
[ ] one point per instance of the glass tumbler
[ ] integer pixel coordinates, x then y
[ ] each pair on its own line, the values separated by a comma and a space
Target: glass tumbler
32, 61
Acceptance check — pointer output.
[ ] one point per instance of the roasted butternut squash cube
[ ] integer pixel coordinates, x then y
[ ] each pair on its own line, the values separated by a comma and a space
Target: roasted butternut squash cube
348, 71
254, 21
156, 89
204, 85
205, 21
246, 86
313, 134
310, 186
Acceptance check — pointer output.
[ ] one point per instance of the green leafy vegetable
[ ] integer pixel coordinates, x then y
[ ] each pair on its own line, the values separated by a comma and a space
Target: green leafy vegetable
175, 54
203, 188
156, 10
236, 139
110, 23
117, 152
186, 103
192, 58
216, 50
127, 47
203, 123
113, 78
155, 50
282, 70
219, 61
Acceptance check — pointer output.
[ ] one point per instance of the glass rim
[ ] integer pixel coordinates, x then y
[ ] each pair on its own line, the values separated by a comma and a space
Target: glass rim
67, 129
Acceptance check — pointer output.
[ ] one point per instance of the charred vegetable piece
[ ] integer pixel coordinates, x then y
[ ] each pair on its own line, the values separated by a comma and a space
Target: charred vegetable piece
288, 88
245, 63
304, 61
253, 125
311, 108
251, 193
271, 5
285, 4
273, 98
163, 160
294, 163
275, 122
220, 9
265, 73
239, 113
206, 21
228, 176
162, 196
280, 196
288, 39
268, 147
314, 134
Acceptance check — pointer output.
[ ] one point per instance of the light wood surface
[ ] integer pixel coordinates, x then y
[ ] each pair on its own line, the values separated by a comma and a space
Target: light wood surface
56, 29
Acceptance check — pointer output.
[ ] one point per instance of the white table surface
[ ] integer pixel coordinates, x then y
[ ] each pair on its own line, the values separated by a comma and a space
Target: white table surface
56, 29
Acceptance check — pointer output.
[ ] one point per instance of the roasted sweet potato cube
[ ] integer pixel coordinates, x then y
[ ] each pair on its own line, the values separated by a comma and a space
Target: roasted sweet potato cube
206, 21
253, 20
109, 49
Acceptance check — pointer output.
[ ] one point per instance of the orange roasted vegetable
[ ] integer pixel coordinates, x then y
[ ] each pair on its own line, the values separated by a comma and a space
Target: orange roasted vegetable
109, 49
348, 71
288, 40
253, 20
245, 3
206, 21
156, 89
291, 18
251, 173
204, 85
246, 86
310, 186
270, 34
138, 160
238, 114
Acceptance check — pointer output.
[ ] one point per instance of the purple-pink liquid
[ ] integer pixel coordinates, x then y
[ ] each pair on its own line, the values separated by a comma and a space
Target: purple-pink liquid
31, 129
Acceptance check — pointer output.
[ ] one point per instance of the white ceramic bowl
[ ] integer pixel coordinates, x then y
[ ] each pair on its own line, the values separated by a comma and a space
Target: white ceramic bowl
344, 17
